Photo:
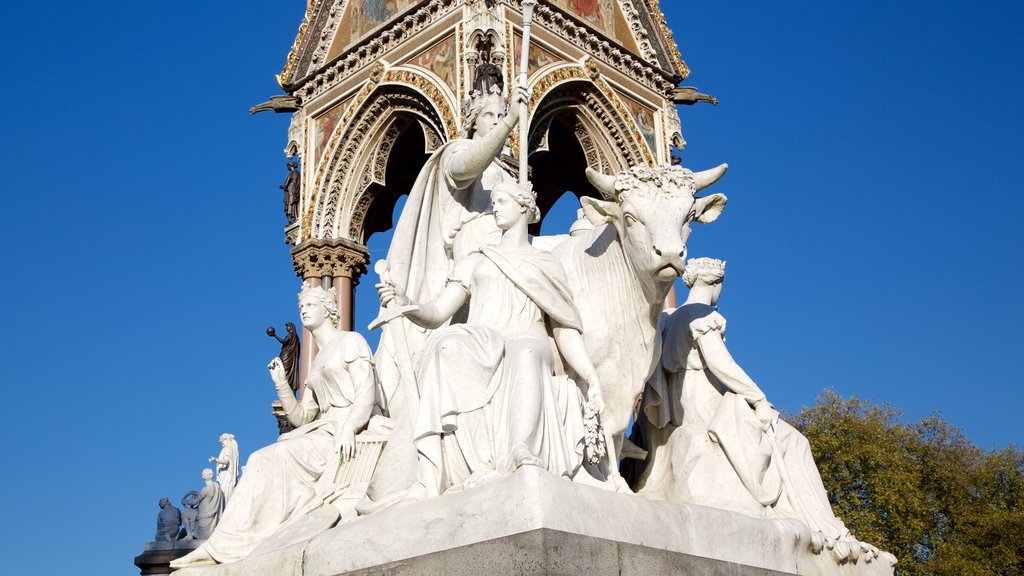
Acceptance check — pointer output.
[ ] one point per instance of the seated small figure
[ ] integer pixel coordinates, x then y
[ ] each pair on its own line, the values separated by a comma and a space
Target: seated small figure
168, 522
715, 439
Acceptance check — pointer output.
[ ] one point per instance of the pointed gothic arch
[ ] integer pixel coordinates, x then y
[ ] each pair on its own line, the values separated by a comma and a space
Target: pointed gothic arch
577, 124
353, 172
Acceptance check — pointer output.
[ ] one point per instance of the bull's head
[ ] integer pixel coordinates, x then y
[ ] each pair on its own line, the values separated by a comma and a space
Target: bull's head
652, 210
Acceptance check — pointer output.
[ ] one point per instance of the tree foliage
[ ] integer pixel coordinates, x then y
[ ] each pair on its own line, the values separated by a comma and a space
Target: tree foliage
921, 490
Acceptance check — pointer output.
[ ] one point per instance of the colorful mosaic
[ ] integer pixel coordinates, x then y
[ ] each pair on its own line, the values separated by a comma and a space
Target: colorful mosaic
367, 15
440, 59
644, 119
598, 13
538, 57
323, 128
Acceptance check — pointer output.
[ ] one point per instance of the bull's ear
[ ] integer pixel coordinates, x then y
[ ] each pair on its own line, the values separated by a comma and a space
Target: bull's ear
709, 208
599, 211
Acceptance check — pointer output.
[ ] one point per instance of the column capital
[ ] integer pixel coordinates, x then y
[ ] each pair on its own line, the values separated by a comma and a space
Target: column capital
336, 257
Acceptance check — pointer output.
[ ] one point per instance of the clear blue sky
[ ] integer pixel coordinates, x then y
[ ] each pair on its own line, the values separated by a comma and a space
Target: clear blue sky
873, 232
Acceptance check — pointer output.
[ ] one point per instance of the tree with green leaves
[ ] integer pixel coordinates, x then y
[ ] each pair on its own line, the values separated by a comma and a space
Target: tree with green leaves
921, 490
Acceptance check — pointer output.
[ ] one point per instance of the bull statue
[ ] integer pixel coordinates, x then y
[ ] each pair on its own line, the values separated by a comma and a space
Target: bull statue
620, 272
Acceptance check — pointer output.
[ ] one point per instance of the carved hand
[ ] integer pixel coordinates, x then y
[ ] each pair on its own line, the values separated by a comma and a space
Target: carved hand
390, 293
347, 443
278, 374
520, 95
594, 393
765, 413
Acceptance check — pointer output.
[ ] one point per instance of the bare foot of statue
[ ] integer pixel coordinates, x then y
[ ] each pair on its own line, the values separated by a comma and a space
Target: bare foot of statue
522, 456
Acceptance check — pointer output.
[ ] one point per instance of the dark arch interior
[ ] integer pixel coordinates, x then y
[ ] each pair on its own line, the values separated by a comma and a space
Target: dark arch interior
404, 163
560, 168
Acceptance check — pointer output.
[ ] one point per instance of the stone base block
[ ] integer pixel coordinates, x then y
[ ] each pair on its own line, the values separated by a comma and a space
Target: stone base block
553, 553
533, 523
156, 556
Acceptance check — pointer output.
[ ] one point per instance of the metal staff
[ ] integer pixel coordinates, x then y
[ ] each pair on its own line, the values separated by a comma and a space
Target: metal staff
524, 61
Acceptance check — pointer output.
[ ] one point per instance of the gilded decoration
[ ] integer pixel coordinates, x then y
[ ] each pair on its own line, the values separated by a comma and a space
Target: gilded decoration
666, 35
441, 60
293, 54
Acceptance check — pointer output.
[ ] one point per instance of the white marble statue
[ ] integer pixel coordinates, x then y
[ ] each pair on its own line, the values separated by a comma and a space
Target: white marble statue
206, 507
620, 269
445, 218
489, 398
227, 465
284, 481
715, 439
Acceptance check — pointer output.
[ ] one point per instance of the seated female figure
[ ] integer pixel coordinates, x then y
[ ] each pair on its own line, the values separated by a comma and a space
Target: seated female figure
490, 401
282, 482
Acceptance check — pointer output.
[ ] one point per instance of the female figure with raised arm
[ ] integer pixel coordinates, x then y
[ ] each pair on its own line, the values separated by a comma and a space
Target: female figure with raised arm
489, 399
715, 438
282, 481
445, 217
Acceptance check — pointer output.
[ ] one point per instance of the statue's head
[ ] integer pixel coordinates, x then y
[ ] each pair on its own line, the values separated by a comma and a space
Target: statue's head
317, 304
482, 112
164, 502
292, 165
707, 271
207, 474
523, 201
289, 327
225, 438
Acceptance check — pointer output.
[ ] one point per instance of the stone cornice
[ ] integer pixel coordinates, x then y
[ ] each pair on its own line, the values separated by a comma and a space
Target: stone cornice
337, 257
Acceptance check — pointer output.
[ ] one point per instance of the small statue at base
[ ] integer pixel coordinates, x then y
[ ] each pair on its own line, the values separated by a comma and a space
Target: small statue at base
227, 465
168, 522
205, 508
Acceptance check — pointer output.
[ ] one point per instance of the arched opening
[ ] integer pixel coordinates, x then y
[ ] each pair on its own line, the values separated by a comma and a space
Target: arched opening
407, 157
558, 169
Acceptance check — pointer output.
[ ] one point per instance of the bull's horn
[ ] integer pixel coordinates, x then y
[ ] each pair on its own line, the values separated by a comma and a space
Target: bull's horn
705, 178
605, 184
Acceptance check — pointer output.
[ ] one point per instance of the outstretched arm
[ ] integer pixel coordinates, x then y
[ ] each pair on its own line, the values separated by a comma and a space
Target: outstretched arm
298, 412
722, 366
444, 306
468, 165
570, 344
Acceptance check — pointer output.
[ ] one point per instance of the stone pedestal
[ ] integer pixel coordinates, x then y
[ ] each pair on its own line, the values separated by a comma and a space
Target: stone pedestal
533, 523
157, 556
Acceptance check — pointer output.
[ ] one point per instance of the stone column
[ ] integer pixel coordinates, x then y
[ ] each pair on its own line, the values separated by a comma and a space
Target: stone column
337, 262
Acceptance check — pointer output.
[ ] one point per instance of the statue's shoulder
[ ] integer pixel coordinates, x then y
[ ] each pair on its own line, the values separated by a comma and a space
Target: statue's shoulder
355, 347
